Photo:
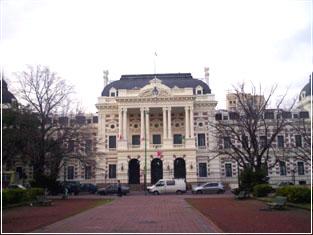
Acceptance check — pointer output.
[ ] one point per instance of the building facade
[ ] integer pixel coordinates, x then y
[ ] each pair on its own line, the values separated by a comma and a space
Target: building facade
159, 121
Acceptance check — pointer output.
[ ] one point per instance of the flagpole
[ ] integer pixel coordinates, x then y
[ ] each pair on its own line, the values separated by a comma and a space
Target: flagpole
154, 62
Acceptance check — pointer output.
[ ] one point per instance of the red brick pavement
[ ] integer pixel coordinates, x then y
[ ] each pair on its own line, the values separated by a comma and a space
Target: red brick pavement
134, 214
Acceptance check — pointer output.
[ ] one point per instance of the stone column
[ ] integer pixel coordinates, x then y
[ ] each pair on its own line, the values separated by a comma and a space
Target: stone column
169, 121
147, 127
164, 124
125, 123
186, 122
142, 128
120, 124
192, 135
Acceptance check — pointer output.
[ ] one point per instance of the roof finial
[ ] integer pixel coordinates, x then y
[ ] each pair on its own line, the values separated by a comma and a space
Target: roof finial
206, 75
106, 77
154, 62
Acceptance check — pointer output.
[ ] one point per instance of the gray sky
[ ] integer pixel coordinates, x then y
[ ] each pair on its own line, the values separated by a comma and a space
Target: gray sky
263, 42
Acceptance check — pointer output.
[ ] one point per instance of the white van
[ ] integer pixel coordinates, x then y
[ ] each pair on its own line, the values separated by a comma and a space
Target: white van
168, 186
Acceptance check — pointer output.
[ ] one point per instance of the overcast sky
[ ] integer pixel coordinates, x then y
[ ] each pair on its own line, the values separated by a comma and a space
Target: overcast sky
262, 41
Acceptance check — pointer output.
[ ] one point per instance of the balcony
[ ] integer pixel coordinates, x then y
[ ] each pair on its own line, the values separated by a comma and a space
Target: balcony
155, 146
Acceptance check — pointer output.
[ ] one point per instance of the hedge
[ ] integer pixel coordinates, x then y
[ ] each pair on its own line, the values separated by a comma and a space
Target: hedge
261, 190
14, 196
296, 194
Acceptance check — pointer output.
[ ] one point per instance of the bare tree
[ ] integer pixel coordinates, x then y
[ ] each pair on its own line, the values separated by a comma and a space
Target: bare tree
249, 134
45, 93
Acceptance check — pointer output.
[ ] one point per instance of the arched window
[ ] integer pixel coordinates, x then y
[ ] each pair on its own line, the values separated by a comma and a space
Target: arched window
199, 90
113, 92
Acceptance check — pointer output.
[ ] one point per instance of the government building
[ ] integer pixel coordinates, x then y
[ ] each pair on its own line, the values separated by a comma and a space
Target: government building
158, 120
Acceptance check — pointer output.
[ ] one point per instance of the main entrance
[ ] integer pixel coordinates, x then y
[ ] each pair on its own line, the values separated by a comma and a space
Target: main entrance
156, 170
179, 168
134, 172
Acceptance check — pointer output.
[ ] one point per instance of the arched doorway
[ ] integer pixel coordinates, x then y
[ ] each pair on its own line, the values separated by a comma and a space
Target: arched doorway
134, 172
179, 168
156, 170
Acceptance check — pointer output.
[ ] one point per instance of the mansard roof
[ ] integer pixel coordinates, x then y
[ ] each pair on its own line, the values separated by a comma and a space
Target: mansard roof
180, 80
7, 96
306, 90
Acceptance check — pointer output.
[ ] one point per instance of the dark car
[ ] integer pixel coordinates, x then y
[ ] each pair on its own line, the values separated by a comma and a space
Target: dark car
112, 189
90, 188
73, 187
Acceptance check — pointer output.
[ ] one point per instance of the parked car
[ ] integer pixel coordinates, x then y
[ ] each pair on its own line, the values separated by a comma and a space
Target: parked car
168, 186
208, 188
16, 186
73, 187
90, 188
112, 189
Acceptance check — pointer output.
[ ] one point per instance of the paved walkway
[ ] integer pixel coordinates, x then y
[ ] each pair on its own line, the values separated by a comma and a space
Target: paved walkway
135, 214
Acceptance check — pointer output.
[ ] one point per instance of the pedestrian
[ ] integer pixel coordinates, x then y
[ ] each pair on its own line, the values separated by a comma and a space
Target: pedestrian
119, 188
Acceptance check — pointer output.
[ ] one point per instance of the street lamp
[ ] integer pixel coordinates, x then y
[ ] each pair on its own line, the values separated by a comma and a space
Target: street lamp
64, 178
145, 169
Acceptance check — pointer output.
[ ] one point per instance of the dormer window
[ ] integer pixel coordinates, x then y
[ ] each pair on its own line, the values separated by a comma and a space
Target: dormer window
199, 90
113, 92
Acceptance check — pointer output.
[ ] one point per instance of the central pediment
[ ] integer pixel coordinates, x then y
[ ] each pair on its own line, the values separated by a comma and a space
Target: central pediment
155, 88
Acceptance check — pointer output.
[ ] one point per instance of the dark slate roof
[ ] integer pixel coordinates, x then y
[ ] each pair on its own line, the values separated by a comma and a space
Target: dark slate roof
7, 96
181, 80
307, 88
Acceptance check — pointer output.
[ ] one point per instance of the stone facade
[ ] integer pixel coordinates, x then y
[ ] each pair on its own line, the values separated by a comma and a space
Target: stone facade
165, 123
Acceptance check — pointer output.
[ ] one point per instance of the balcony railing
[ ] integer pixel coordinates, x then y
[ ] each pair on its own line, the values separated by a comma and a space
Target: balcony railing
178, 145
156, 146
134, 146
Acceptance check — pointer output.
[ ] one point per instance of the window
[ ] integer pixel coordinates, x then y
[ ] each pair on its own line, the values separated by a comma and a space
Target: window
136, 140
112, 171
298, 140
156, 139
88, 172
199, 90
201, 139
218, 116
304, 114
286, 114
244, 140
226, 142
300, 168
113, 92
88, 146
70, 146
228, 170
203, 171
280, 141
170, 182
233, 116
263, 141
70, 172
282, 166
269, 115
19, 172
178, 139
112, 142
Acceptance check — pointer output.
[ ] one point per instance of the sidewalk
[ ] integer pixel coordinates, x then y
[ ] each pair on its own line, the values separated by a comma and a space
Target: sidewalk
135, 214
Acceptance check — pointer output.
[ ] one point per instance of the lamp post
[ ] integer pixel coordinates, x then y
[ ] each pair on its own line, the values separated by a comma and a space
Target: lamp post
64, 178
145, 169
